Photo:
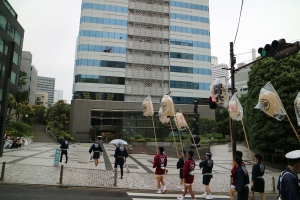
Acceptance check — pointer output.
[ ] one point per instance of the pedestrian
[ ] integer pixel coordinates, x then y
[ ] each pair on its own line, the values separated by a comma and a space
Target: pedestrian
97, 151
188, 174
258, 183
64, 146
120, 157
207, 166
233, 175
180, 165
288, 182
160, 163
242, 180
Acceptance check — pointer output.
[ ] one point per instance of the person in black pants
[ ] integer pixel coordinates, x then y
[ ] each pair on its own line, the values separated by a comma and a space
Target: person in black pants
64, 149
120, 154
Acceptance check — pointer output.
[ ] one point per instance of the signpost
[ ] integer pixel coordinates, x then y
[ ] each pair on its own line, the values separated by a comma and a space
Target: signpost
56, 157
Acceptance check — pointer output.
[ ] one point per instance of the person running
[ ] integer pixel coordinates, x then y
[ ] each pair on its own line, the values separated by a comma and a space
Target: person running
188, 174
160, 163
233, 175
180, 165
97, 151
64, 149
120, 157
207, 166
242, 180
258, 183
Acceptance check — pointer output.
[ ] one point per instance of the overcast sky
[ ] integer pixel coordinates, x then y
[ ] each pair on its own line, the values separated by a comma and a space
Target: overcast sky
51, 28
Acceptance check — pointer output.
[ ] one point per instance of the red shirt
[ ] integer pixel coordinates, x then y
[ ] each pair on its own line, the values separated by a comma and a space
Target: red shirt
233, 173
188, 169
160, 162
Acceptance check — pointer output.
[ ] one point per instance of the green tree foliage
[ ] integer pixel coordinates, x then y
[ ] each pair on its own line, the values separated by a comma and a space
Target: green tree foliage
19, 129
10, 107
222, 119
40, 114
22, 96
266, 133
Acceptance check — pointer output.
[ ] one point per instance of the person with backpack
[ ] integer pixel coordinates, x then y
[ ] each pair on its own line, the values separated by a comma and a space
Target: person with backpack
288, 182
64, 149
207, 166
258, 182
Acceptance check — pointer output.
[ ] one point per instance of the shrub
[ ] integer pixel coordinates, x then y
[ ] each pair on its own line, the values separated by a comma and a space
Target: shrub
19, 129
211, 135
60, 133
138, 136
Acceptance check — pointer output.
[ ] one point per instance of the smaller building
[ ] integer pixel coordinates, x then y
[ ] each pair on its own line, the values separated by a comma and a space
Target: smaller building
58, 95
46, 84
218, 71
41, 99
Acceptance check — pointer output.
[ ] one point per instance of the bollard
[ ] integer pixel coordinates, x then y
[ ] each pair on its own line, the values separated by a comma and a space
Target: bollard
115, 178
61, 174
273, 180
3, 169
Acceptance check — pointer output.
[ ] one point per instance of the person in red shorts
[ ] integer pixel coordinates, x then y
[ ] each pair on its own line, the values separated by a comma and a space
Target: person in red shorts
188, 174
160, 163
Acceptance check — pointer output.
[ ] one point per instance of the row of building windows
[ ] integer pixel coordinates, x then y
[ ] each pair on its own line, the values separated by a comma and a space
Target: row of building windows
13, 76
100, 48
103, 34
189, 56
189, 18
10, 8
190, 30
85, 78
99, 96
100, 20
189, 5
190, 100
100, 63
190, 43
11, 31
189, 85
190, 70
95, 6
4, 50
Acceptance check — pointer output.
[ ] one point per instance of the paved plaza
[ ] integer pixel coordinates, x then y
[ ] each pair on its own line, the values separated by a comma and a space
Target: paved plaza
34, 165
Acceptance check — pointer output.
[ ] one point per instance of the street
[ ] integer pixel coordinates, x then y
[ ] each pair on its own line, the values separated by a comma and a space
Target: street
25, 192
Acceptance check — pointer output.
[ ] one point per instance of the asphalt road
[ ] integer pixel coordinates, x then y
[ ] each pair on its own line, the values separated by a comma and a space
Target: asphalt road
27, 192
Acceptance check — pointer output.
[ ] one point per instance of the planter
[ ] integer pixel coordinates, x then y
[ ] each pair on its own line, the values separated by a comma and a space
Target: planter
83, 154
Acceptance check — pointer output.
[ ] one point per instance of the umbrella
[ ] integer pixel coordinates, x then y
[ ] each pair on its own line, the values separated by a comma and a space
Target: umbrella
117, 141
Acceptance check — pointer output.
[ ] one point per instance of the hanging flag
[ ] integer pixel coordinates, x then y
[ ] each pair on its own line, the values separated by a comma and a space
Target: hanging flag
297, 108
270, 103
219, 91
180, 121
235, 109
147, 107
163, 119
167, 106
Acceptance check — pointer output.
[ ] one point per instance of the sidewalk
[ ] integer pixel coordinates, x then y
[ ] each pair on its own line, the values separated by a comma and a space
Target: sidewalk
34, 165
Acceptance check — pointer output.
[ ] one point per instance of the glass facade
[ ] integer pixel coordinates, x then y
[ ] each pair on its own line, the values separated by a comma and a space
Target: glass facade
190, 70
98, 96
11, 31
100, 63
99, 48
189, 85
190, 30
190, 43
85, 78
103, 7
103, 34
189, 5
189, 18
189, 56
100, 20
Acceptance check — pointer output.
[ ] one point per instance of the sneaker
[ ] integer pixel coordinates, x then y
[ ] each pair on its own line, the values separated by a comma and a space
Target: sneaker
180, 187
209, 197
96, 167
158, 192
165, 190
204, 195
179, 198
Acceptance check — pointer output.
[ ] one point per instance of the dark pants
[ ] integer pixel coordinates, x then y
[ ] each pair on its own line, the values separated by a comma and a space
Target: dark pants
243, 194
62, 153
120, 161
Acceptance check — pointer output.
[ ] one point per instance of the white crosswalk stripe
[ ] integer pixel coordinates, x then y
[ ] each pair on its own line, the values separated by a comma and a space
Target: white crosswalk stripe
166, 196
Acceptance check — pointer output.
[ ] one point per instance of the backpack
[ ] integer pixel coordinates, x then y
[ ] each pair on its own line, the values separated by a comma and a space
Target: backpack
280, 180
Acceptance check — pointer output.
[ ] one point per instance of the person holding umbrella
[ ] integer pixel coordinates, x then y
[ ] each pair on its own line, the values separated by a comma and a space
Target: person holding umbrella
120, 156
96, 149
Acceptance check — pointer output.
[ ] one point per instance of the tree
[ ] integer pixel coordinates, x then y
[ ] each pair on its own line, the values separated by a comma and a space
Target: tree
22, 96
10, 107
60, 114
40, 114
222, 119
266, 133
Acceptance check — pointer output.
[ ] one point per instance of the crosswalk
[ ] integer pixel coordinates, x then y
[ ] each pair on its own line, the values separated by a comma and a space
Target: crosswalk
167, 196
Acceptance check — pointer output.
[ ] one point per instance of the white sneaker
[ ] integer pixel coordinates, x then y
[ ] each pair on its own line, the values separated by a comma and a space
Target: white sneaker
179, 198
158, 192
180, 187
204, 195
96, 167
209, 197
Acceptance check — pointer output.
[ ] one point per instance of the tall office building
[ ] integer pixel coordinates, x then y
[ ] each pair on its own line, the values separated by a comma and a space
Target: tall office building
46, 84
31, 79
10, 30
58, 95
218, 71
129, 49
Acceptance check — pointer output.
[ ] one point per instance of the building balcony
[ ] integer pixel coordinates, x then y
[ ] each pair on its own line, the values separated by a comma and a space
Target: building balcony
149, 20
148, 46
148, 32
150, 60
149, 7
153, 74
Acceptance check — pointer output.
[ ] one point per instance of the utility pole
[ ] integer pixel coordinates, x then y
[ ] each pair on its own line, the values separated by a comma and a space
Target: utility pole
3, 112
233, 123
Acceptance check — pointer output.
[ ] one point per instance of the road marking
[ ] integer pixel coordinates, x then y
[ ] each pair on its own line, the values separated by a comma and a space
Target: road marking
166, 195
